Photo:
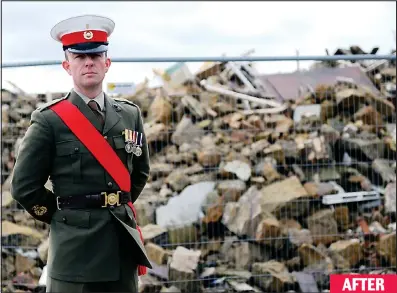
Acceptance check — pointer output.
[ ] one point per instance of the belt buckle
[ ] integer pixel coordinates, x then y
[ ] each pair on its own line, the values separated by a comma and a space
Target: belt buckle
111, 199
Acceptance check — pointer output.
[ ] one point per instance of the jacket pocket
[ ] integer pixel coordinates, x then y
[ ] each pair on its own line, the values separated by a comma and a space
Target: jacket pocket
119, 146
119, 142
70, 155
76, 218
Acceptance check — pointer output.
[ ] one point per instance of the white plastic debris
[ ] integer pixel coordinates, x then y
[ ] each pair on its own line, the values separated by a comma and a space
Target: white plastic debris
43, 277
184, 209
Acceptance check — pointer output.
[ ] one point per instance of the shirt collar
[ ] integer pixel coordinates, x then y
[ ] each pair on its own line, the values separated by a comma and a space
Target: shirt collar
100, 99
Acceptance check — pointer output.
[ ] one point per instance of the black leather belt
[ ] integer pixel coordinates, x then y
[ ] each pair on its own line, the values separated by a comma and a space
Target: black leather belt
92, 201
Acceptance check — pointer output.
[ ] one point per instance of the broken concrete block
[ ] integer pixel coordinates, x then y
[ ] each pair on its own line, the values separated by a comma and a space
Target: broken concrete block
148, 284
154, 233
156, 253
272, 276
241, 169
323, 227
287, 197
310, 254
390, 198
183, 269
242, 217
349, 249
231, 190
268, 231
387, 247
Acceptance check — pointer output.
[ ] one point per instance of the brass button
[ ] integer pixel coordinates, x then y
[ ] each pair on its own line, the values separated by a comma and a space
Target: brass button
110, 184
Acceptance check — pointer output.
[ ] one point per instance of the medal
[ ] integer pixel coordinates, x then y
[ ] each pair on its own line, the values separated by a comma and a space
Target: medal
133, 149
128, 148
128, 140
138, 150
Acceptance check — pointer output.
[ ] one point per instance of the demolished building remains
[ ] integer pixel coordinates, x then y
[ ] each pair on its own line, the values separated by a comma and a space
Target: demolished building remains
259, 183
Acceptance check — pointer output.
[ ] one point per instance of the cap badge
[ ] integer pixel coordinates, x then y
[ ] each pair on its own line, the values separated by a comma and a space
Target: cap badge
88, 35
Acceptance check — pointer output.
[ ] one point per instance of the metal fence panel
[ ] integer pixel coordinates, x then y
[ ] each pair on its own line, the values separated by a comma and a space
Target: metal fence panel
266, 182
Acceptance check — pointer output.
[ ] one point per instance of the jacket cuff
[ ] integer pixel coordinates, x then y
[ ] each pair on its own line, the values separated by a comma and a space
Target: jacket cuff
43, 210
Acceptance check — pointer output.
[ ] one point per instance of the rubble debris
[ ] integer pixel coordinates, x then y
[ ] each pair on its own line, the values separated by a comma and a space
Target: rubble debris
241, 287
323, 226
268, 231
235, 95
184, 209
148, 284
160, 110
384, 172
342, 218
156, 253
272, 276
310, 255
154, 233
27, 236
390, 198
243, 217
291, 200
241, 169
349, 250
231, 190
387, 247
183, 269
306, 282
42, 250
297, 237
171, 289
257, 183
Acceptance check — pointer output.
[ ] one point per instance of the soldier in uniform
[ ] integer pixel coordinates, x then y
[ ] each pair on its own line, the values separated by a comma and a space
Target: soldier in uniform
94, 243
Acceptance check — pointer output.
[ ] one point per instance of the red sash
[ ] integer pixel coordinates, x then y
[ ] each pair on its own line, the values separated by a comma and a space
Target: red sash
100, 148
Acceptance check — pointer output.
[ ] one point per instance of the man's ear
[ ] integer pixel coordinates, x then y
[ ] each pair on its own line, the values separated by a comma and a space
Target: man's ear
66, 66
108, 62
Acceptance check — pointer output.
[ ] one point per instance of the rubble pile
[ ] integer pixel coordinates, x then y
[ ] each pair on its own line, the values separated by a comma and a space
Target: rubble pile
247, 193
381, 72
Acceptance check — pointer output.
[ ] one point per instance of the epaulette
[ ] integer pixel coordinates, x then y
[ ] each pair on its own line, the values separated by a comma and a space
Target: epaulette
125, 101
46, 105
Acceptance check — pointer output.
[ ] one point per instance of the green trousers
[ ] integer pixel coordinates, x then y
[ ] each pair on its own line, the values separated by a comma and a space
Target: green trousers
127, 283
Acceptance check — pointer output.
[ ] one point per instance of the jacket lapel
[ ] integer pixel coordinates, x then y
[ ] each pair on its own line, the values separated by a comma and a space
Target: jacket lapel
76, 100
112, 117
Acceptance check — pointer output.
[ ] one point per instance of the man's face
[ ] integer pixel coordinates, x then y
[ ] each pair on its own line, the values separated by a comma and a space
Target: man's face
87, 70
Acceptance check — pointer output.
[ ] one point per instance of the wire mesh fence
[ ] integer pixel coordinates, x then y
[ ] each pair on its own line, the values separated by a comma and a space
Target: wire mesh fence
259, 182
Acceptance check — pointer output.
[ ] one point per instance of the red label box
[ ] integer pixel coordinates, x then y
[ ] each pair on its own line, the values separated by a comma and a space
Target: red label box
363, 283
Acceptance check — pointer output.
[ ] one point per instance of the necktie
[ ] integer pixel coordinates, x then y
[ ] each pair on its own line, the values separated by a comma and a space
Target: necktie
95, 108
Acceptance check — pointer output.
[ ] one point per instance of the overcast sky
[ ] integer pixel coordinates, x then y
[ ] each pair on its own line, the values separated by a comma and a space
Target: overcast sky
184, 29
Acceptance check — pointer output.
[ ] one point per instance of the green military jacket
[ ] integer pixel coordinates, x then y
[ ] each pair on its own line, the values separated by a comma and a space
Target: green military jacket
85, 244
